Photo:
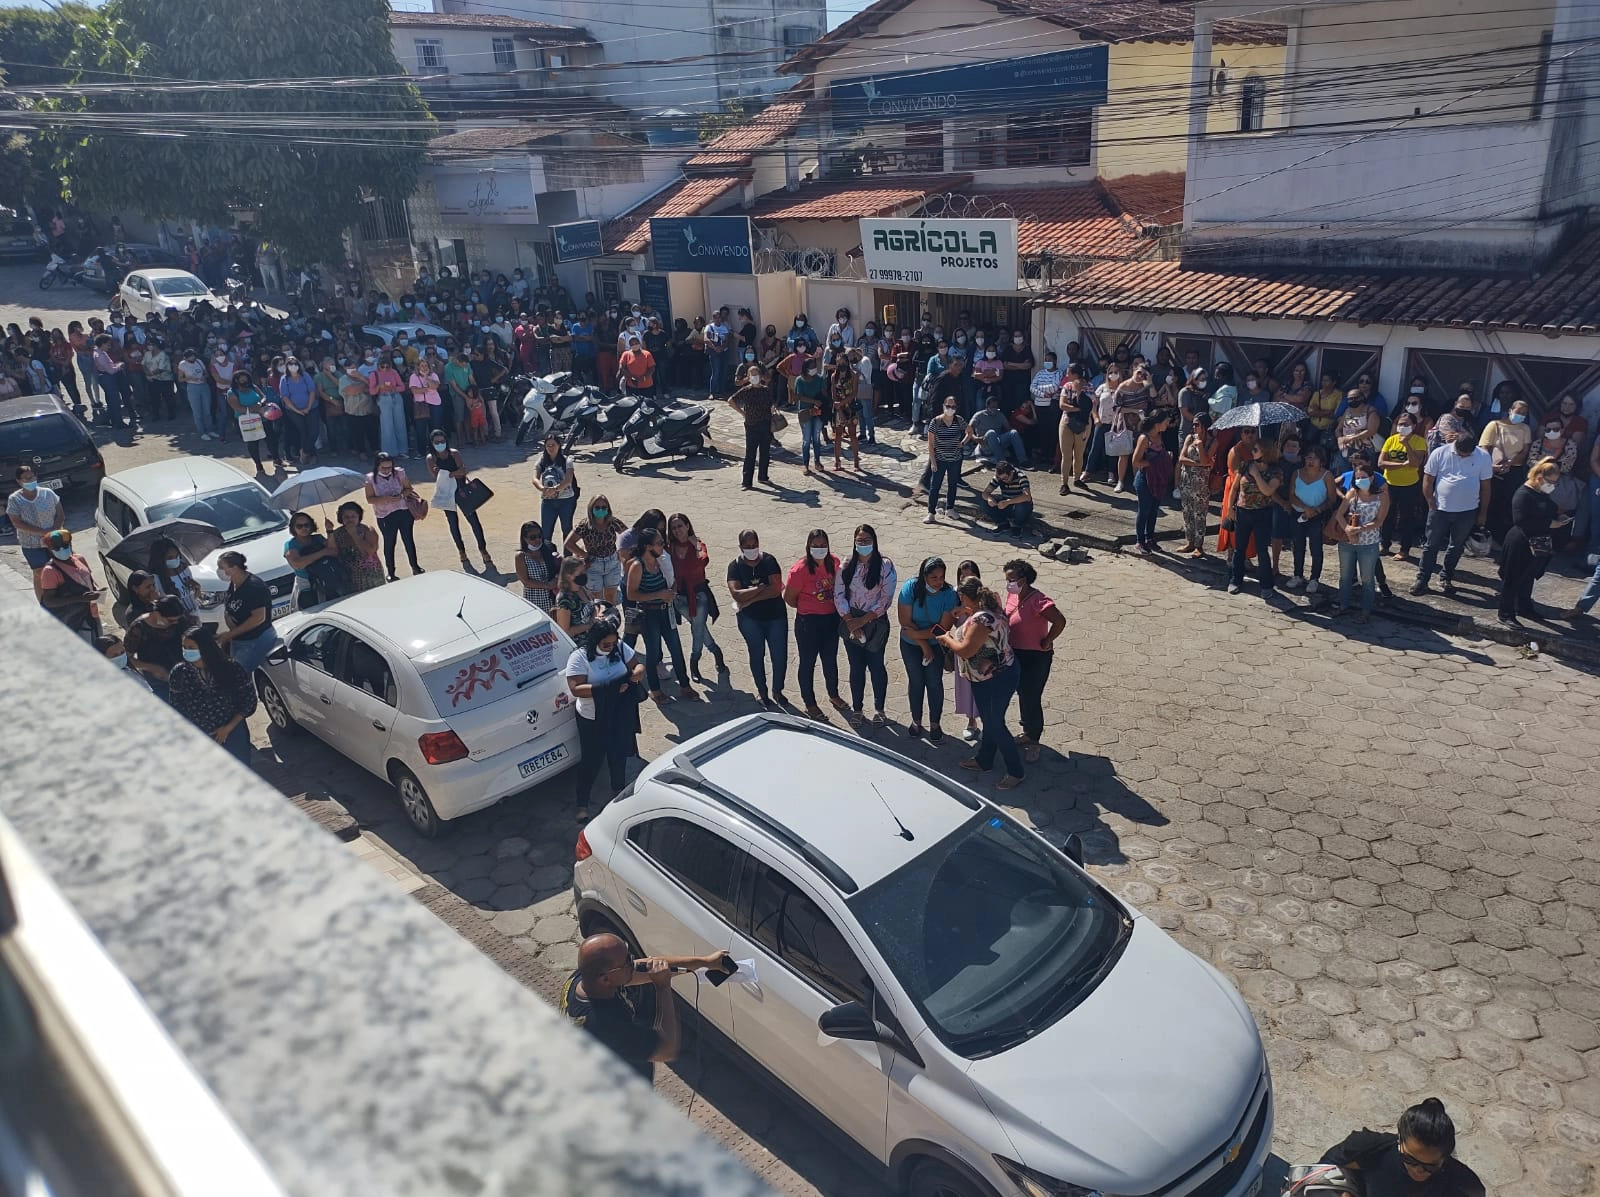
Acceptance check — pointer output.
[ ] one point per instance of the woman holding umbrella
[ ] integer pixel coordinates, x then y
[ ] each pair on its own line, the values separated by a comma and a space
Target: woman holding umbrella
172, 573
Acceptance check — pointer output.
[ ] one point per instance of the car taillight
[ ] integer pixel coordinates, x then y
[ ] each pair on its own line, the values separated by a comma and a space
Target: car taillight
440, 748
583, 851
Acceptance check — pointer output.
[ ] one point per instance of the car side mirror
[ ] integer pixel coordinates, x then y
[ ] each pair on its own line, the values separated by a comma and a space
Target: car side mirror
1074, 849
851, 1020
278, 656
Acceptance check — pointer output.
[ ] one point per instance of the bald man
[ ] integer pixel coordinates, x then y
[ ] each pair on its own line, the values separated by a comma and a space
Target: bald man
608, 999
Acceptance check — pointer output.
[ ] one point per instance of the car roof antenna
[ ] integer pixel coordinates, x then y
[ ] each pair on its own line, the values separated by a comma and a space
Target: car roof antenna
904, 832
462, 617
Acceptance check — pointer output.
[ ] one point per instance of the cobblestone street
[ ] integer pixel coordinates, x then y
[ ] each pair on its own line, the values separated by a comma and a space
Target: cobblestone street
1384, 835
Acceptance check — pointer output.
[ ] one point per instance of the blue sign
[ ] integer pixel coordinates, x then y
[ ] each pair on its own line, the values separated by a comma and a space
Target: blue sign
653, 291
580, 239
1075, 77
702, 244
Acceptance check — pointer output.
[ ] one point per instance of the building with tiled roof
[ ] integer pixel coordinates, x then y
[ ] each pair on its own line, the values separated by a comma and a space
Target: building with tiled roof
735, 149
630, 232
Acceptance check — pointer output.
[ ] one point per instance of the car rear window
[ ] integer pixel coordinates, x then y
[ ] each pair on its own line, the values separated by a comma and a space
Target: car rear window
50, 434
497, 672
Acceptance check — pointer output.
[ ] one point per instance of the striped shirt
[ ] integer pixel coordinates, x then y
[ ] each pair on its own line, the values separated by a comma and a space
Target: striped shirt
947, 438
1013, 488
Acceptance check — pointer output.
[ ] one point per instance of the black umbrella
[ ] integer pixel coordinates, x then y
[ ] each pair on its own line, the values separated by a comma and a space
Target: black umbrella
1258, 415
194, 539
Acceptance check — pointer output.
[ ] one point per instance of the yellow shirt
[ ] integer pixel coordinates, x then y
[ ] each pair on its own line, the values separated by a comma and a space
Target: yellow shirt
1396, 449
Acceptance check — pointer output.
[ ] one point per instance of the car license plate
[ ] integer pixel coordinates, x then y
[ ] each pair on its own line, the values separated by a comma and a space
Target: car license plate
543, 761
54, 483
279, 610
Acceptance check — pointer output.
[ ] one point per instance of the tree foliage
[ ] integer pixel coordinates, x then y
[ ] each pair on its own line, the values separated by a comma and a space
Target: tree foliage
299, 157
35, 44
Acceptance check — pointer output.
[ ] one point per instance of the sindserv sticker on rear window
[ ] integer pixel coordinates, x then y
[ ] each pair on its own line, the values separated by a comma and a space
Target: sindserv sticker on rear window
494, 674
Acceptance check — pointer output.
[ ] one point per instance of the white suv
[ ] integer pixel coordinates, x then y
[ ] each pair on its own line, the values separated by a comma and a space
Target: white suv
945, 987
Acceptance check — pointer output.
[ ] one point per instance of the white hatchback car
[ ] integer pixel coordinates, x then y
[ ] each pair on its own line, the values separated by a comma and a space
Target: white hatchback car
157, 290
213, 492
953, 993
446, 686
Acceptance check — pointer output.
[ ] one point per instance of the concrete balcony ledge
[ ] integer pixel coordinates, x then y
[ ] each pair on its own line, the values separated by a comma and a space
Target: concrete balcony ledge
358, 1045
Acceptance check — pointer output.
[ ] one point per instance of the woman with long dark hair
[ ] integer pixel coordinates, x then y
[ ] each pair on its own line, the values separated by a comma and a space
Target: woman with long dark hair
538, 567
602, 677
924, 608
981, 646
692, 599
863, 591
650, 590
557, 481
809, 590
171, 572
212, 692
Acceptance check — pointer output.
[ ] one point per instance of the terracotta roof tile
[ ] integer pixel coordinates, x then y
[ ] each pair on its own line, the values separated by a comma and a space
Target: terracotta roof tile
630, 232
1153, 199
1565, 298
732, 148
853, 198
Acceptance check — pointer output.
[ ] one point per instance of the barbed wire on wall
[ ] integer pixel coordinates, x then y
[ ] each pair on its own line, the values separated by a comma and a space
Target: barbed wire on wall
777, 253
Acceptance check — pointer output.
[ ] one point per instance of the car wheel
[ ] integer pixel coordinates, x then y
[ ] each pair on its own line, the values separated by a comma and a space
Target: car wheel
416, 804
930, 1178
119, 592
277, 709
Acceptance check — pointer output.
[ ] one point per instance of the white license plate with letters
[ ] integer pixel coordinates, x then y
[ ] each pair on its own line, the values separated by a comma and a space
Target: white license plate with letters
547, 758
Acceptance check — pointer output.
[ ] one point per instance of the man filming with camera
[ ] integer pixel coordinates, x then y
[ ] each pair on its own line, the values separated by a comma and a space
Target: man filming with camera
627, 1004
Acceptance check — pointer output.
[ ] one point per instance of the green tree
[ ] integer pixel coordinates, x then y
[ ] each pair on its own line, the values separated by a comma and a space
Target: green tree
35, 44
248, 138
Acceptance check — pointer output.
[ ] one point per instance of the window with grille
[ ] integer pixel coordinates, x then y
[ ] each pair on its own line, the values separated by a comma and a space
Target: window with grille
505, 54
430, 56
795, 36
1253, 105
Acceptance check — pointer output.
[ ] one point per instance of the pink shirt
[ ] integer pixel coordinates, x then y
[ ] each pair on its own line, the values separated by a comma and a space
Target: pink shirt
388, 491
1029, 620
425, 389
814, 587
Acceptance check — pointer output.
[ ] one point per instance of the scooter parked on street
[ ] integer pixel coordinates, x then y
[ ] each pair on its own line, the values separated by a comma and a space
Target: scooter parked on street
653, 431
59, 270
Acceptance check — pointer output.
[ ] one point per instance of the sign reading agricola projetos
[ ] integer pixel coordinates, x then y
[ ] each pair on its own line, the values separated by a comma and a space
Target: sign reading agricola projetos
942, 255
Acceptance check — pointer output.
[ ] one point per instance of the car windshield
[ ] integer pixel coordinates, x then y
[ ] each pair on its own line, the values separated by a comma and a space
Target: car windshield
239, 512
992, 934
42, 436
179, 286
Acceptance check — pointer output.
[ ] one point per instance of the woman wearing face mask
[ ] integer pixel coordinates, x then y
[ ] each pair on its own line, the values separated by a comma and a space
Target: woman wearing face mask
1529, 541
575, 609
247, 611
212, 692
116, 652
538, 566
389, 492
248, 404
357, 546
449, 471
427, 404
755, 583
1361, 517
67, 588
603, 677
692, 599
314, 560
557, 480
809, 589
810, 390
650, 589
1402, 458
1312, 494
303, 408
1036, 623
1510, 443
924, 607
863, 590
947, 433
965, 703
154, 642
844, 384
981, 646
595, 538
1195, 460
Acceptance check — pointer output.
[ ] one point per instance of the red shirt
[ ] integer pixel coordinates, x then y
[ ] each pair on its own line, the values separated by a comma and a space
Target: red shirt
814, 587
1029, 619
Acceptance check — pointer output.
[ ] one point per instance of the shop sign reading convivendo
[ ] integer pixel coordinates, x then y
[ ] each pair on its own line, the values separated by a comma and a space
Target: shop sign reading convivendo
942, 255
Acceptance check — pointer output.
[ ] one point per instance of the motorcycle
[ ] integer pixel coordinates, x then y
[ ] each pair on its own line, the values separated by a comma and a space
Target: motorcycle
652, 432
58, 270
601, 417
532, 403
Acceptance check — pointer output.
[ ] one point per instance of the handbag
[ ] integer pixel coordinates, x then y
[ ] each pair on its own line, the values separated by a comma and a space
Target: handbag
473, 493
1119, 442
779, 421
875, 636
1333, 531
272, 411
417, 506
250, 427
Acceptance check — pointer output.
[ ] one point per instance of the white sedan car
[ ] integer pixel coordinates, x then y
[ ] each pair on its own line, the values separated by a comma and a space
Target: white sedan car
941, 984
446, 686
213, 492
156, 291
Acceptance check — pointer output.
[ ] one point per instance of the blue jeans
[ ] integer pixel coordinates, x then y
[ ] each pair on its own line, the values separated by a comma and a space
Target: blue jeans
337, 439
91, 380
1363, 557
923, 680
997, 445
250, 653
111, 390
392, 425
950, 471
199, 396
810, 440
1144, 523
700, 637
1591, 593
1097, 462
1016, 516
557, 511
1452, 527
992, 698
1594, 515
237, 745
916, 404
764, 637
869, 417
1252, 522
655, 624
